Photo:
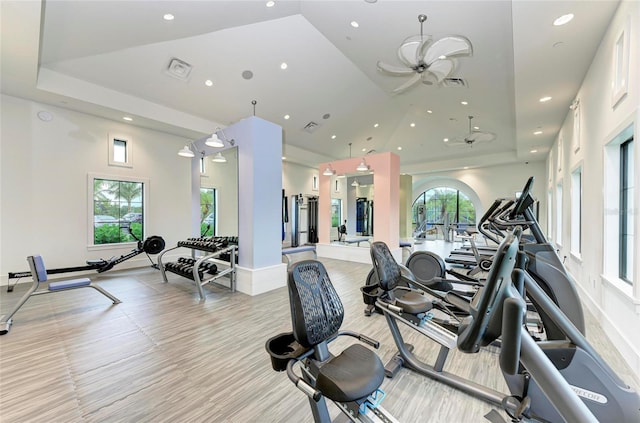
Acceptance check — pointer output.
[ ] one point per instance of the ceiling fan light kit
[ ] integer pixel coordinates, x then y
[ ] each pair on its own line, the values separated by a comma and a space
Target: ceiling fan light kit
426, 60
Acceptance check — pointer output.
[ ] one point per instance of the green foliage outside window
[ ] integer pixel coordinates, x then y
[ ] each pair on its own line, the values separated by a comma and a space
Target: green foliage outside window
207, 211
436, 203
117, 209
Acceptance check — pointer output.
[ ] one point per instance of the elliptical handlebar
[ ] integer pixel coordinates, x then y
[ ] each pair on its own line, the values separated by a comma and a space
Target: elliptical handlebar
524, 201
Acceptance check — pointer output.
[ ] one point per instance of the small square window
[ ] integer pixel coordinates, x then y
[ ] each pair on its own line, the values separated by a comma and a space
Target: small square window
120, 150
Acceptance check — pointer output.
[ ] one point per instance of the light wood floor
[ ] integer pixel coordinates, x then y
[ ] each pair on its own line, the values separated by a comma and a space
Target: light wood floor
163, 356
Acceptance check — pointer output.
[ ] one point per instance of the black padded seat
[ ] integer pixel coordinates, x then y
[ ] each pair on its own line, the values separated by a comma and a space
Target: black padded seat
413, 302
354, 374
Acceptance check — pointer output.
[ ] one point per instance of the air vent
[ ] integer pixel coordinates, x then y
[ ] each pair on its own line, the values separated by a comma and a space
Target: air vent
454, 82
310, 127
179, 69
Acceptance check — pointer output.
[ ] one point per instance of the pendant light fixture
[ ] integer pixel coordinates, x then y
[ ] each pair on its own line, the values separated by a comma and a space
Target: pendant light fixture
214, 141
186, 152
362, 167
219, 158
329, 171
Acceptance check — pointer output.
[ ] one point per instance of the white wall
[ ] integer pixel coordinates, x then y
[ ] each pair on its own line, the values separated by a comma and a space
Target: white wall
44, 167
615, 304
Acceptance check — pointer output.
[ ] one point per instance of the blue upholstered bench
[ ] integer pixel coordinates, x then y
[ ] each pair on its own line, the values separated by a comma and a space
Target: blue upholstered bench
39, 274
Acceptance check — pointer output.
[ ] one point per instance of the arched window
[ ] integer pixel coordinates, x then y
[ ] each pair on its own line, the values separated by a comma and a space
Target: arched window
432, 206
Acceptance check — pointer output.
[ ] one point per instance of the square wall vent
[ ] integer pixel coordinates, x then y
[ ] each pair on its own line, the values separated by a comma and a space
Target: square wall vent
454, 82
179, 69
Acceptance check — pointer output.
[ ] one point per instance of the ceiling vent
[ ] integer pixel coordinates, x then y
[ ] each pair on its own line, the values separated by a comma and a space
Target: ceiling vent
310, 127
454, 82
179, 69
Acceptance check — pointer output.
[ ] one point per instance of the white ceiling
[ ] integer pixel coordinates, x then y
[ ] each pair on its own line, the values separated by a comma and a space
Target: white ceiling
109, 58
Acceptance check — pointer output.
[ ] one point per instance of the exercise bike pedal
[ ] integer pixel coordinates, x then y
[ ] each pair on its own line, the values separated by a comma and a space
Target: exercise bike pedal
395, 364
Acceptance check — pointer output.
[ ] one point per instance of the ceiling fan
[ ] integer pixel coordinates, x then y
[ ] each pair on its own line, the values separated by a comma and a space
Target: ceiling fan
473, 137
427, 60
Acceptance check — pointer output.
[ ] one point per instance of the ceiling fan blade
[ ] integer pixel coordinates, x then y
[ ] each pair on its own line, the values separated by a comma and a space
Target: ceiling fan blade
415, 78
408, 49
422, 48
481, 136
451, 46
442, 68
393, 70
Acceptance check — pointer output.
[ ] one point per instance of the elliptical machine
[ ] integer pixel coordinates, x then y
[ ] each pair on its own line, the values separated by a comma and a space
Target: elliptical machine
550, 381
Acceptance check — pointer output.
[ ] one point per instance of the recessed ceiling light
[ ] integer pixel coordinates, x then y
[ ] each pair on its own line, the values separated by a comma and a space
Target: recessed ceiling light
545, 99
446, 140
399, 148
208, 83
533, 151
429, 111
476, 127
127, 118
364, 149
464, 103
537, 133
466, 167
333, 137
413, 125
286, 117
355, 24
271, 3
168, 17
283, 65
284, 157
442, 57
564, 19
375, 125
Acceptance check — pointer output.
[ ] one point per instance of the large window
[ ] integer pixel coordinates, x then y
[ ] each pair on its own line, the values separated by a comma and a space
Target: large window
576, 211
208, 211
438, 205
117, 210
626, 211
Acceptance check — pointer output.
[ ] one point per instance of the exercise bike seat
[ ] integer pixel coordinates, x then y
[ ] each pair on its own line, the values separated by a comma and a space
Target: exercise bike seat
413, 302
317, 314
353, 375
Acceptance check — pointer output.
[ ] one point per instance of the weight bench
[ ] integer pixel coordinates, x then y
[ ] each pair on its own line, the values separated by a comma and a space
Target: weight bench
357, 240
39, 274
286, 252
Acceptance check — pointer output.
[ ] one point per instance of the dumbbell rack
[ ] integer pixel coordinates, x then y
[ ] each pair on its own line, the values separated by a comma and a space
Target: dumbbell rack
200, 268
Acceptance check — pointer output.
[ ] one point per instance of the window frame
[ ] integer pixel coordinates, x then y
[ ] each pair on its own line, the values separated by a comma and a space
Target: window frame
626, 162
576, 211
214, 208
456, 219
559, 213
128, 140
91, 177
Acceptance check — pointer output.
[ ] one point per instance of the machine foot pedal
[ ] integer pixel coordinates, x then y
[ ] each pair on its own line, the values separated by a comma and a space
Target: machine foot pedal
395, 364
